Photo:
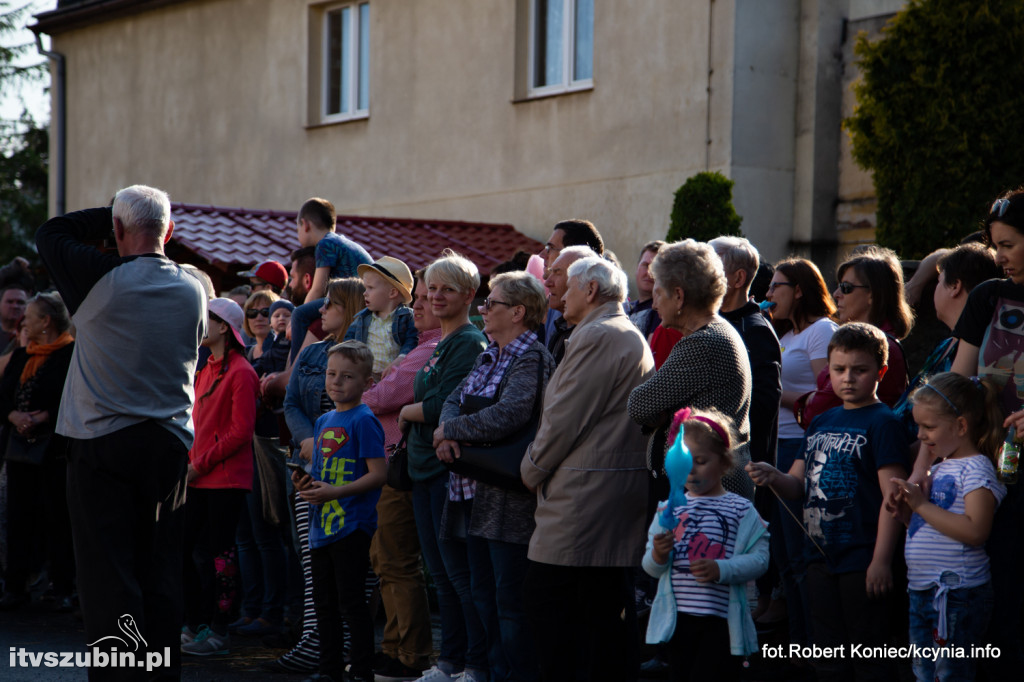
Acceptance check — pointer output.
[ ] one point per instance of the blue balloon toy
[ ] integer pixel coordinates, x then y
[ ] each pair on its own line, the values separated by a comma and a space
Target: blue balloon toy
678, 463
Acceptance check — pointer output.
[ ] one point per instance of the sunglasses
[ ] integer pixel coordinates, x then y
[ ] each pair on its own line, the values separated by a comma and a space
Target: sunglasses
775, 285
1000, 207
846, 288
253, 313
490, 303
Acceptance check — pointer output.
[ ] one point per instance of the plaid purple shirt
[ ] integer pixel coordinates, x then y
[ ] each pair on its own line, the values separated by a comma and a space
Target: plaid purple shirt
483, 381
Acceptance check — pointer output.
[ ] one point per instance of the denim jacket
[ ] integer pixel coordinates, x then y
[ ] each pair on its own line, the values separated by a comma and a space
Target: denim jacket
305, 388
402, 329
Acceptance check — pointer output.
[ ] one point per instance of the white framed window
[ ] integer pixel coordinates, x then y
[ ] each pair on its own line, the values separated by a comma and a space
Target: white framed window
561, 49
345, 62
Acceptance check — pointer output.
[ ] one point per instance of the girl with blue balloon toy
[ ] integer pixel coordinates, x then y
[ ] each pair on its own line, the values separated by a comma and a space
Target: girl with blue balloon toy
704, 545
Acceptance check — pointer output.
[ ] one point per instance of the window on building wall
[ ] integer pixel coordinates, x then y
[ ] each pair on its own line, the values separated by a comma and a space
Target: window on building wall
561, 45
345, 67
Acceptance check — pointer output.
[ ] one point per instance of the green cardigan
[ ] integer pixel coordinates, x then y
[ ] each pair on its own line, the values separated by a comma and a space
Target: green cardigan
448, 366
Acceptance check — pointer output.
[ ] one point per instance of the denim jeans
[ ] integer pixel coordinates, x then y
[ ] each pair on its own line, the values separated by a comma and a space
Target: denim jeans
261, 559
303, 316
787, 546
517, 649
463, 641
968, 611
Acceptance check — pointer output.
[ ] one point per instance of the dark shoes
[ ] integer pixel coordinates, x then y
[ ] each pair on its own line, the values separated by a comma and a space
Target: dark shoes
14, 600
389, 669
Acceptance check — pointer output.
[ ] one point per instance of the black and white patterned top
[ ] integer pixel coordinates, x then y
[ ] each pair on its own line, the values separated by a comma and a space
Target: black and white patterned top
707, 369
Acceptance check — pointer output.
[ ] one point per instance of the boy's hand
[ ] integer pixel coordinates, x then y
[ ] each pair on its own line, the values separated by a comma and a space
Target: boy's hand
662, 546
319, 492
761, 473
301, 480
879, 578
705, 570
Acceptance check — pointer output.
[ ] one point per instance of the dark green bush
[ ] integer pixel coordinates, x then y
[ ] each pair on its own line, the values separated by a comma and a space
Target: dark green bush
703, 209
936, 118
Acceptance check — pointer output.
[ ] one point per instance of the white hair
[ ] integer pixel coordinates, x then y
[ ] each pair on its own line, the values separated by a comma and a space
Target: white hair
611, 281
737, 253
576, 252
143, 209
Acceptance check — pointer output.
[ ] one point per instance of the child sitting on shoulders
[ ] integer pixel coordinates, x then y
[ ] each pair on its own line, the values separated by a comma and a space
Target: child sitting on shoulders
848, 457
950, 586
342, 489
703, 564
385, 324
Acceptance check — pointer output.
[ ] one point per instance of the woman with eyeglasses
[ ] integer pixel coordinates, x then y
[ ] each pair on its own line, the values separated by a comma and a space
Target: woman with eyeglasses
260, 537
870, 290
991, 333
508, 378
802, 313
452, 282
305, 400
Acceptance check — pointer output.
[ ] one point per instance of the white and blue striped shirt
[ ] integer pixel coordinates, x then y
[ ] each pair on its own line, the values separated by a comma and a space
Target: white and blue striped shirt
935, 559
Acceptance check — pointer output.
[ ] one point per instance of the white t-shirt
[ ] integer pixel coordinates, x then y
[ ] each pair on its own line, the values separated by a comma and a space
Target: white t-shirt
797, 352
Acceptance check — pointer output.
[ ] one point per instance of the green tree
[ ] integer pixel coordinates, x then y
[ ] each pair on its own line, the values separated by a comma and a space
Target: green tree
24, 144
936, 118
703, 209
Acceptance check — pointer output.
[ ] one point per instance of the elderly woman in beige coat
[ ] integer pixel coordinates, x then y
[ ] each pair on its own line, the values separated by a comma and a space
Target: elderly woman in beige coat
588, 467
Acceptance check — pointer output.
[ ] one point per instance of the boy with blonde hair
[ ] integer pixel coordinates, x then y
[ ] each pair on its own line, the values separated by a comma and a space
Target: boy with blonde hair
385, 324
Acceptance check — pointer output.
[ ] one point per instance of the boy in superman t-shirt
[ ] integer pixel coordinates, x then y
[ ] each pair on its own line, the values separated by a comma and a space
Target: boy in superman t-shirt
343, 487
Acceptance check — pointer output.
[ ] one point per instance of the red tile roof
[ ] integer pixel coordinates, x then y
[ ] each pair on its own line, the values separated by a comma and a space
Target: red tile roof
230, 237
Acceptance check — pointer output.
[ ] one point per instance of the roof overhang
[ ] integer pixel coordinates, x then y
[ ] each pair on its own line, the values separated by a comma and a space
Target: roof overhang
92, 12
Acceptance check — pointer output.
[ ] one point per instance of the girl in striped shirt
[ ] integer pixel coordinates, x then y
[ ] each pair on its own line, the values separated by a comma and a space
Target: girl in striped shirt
959, 424
718, 544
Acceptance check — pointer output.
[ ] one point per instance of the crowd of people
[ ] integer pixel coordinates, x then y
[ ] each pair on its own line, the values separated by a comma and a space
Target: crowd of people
347, 429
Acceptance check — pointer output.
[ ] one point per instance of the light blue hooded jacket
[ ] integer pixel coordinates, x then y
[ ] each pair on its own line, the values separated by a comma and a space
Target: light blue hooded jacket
749, 562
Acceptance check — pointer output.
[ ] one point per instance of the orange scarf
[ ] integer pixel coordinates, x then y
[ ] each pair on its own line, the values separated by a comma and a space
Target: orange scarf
39, 352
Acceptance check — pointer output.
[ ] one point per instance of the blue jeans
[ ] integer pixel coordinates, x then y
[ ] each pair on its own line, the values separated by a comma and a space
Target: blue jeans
463, 641
303, 316
787, 547
261, 558
514, 654
968, 611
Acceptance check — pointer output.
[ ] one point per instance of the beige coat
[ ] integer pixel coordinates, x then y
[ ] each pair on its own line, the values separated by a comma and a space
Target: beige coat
588, 461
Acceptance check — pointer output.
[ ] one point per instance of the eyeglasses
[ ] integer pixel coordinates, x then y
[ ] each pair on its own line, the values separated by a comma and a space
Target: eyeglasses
775, 285
846, 288
253, 313
999, 207
490, 303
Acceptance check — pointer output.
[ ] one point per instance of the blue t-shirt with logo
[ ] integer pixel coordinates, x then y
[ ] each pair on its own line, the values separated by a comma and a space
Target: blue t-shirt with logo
344, 441
342, 255
843, 451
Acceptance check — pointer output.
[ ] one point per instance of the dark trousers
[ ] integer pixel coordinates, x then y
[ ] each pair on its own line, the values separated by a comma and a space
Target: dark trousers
126, 494
339, 596
38, 524
211, 520
843, 614
699, 650
576, 612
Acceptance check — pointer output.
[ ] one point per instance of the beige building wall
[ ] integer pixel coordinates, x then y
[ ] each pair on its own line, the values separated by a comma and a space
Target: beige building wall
211, 100
208, 99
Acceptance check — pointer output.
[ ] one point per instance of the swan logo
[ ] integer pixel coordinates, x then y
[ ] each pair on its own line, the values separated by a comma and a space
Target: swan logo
126, 624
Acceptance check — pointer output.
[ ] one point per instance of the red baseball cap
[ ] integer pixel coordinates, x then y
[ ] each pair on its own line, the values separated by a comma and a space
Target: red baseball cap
271, 272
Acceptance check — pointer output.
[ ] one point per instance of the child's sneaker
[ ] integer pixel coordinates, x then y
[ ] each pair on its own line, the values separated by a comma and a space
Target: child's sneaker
435, 674
187, 635
207, 643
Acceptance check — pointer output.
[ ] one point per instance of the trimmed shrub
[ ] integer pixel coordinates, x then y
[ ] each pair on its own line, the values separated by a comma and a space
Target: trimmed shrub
703, 209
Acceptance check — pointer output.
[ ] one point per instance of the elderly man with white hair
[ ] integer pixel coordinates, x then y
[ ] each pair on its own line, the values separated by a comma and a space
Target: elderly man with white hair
588, 468
127, 413
556, 282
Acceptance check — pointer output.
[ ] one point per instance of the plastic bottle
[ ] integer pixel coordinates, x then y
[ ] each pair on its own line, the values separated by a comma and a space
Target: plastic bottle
1009, 458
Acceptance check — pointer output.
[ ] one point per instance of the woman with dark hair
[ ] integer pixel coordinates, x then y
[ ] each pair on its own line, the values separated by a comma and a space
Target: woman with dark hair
870, 290
803, 312
30, 394
992, 346
219, 476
